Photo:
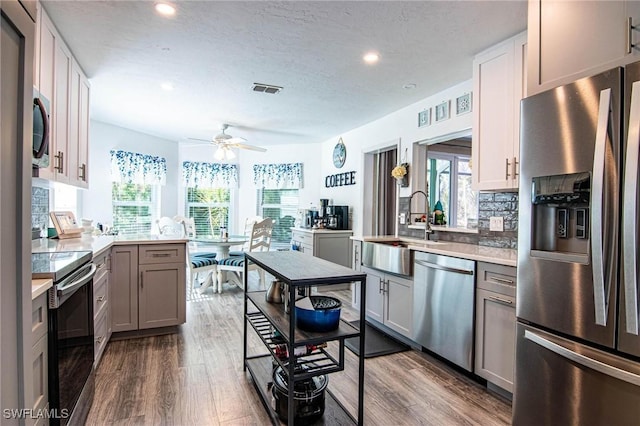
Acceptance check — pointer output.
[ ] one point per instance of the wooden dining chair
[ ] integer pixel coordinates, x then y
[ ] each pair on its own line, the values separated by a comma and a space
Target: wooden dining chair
248, 228
260, 240
199, 260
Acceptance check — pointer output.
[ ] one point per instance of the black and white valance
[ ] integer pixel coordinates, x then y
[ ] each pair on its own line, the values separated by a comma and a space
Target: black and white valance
278, 176
209, 175
142, 169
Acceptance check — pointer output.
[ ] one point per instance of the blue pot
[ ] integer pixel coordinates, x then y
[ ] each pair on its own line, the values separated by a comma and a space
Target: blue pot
325, 316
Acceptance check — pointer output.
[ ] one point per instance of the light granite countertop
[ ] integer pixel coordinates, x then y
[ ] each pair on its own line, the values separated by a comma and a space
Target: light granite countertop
98, 244
499, 256
322, 230
40, 286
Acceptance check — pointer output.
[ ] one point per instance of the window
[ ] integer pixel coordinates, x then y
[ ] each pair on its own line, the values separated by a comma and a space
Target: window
449, 179
281, 205
209, 207
135, 207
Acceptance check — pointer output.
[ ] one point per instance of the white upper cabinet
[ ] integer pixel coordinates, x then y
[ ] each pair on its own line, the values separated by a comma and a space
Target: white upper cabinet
60, 79
573, 39
499, 80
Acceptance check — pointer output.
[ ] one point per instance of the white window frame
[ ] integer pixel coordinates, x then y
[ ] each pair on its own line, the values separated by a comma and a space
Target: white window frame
260, 209
153, 204
453, 182
231, 205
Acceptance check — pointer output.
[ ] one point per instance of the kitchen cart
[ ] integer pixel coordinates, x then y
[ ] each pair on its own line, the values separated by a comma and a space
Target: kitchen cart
298, 272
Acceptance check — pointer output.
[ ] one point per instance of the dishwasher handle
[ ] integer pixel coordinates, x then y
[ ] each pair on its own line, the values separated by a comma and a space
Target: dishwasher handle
443, 268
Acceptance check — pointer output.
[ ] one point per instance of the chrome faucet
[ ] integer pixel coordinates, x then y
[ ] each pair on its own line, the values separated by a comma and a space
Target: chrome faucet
427, 225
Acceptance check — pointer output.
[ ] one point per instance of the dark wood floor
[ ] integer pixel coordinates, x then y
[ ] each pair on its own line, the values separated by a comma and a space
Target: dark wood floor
195, 377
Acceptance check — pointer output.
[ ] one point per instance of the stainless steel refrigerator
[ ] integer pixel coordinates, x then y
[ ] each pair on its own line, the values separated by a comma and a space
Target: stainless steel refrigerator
578, 349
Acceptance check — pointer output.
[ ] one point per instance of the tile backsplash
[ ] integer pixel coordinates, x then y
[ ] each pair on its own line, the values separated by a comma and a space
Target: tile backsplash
504, 204
39, 208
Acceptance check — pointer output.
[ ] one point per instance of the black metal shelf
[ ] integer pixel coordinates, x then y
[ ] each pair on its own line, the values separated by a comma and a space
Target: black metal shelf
298, 270
261, 371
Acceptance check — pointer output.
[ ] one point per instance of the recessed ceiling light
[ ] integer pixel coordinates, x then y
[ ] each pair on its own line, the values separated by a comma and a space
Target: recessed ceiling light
409, 86
371, 57
165, 9
167, 86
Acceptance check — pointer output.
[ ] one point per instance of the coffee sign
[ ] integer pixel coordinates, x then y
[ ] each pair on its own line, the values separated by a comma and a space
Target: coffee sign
340, 179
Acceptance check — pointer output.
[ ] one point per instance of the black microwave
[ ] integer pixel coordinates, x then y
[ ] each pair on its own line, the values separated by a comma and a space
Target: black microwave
41, 129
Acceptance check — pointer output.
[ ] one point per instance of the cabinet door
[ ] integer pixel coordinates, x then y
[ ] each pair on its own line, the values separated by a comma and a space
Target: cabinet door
40, 360
375, 295
124, 288
83, 133
60, 111
495, 338
398, 314
575, 39
46, 80
74, 124
162, 295
335, 248
493, 118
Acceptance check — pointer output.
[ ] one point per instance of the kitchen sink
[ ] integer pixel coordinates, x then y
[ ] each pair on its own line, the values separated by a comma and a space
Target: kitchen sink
388, 256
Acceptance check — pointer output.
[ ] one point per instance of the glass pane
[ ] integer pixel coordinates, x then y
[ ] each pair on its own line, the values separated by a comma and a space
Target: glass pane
209, 207
281, 205
131, 192
467, 212
133, 211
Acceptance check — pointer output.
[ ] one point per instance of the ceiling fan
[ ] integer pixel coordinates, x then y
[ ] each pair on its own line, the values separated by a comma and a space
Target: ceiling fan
225, 142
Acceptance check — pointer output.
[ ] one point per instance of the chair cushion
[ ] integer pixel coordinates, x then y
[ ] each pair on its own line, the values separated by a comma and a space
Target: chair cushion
204, 254
232, 261
236, 253
199, 262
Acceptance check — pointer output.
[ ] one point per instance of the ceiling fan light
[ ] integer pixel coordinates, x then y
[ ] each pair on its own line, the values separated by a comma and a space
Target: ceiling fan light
219, 155
230, 154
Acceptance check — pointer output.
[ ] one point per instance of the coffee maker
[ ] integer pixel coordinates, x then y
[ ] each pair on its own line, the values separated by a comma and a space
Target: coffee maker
337, 217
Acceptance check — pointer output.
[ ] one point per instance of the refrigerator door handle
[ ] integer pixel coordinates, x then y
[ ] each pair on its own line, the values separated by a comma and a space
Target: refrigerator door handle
630, 214
597, 192
583, 360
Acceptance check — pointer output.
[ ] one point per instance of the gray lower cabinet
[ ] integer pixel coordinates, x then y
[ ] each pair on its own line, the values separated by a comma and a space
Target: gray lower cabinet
334, 246
39, 356
496, 324
389, 300
149, 286
101, 305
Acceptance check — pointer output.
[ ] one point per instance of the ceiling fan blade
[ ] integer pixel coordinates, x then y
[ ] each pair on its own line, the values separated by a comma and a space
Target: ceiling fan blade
235, 139
245, 146
202, 140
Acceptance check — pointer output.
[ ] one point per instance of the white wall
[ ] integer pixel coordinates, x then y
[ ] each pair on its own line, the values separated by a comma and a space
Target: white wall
96, 202
401, 125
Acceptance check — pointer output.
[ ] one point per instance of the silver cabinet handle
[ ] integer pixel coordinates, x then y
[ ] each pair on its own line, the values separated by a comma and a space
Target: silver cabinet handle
380, 290
630, 214
597, 192
500, 300
100, 298
506, 169
160, 254
516, 173
83, 172
100, 339
583, 360
141, 279
629, 34
502, 280
444, 268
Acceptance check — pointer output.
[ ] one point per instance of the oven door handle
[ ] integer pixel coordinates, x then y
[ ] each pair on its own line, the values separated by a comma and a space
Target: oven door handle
73, 285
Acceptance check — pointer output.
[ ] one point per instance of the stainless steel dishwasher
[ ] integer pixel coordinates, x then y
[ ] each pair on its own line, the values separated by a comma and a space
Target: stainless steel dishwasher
443, 306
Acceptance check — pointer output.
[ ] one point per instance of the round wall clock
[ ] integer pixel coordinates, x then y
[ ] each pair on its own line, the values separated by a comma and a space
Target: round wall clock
339, 154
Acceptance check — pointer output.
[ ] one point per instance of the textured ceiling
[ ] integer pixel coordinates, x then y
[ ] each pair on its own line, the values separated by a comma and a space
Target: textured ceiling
213, 51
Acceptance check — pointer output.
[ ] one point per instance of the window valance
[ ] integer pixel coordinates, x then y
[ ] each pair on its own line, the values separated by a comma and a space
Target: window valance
132, 167
278, 176
209, 175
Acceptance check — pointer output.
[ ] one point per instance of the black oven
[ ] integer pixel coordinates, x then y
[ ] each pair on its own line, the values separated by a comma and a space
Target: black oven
71, 340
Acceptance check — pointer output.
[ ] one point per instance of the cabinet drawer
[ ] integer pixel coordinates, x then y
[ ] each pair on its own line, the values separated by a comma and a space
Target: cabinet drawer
39, 322
40, 360
161, 253
100, 336
103, 264
100, 295
302, 237
498, 278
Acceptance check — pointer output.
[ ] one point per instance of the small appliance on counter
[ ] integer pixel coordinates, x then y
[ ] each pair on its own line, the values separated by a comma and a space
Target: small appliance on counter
337, 217
310, 218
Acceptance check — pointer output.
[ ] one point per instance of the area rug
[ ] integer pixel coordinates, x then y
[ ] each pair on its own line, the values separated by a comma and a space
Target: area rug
376, 343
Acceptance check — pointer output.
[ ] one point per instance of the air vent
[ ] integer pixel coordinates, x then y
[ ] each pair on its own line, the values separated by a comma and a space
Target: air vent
266, 88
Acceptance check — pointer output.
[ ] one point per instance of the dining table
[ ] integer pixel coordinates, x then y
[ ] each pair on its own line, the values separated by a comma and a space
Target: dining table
221, 246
